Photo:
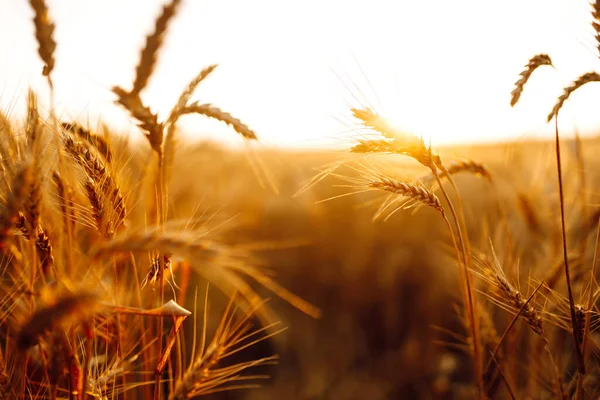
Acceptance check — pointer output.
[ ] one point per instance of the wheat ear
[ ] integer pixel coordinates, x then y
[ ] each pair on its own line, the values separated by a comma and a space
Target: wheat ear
10, 215
189, 91
211, 111
148, 120
596, 22
44, 32
411, 190
579, 82
469, 166
534, 63
147, 62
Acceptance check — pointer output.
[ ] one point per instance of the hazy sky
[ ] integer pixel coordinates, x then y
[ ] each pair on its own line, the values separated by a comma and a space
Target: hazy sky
291, 69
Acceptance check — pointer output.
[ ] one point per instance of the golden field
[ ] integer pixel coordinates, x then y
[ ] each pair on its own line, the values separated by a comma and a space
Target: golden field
387, 270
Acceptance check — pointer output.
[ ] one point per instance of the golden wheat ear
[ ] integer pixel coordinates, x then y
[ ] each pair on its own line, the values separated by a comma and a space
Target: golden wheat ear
186, 95
44, 34
410, 190
147, 62
568, 91
534, 63
213, 112
596, 22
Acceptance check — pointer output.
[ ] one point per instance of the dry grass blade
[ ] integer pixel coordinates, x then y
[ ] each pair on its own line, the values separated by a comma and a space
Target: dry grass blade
153, 42
210, 111
44, 32
579, 82
535, 62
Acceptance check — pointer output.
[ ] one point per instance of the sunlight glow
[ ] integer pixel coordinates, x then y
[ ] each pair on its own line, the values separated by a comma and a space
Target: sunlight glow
291, 71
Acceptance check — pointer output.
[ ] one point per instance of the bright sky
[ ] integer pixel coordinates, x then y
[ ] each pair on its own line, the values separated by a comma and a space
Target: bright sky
290, 70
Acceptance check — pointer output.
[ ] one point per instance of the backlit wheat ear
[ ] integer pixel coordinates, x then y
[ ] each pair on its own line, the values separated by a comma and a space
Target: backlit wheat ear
596, 22
509, 297
579, 82
101, 180
374, 121
402, 143
189, 91
535, 62
44, 32
148, 120
373, 146
10, 214
95, 140
153, 42
410, 190
210, 111
469, 166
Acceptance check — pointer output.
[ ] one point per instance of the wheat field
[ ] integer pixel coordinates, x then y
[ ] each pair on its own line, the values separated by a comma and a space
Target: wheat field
392, 269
